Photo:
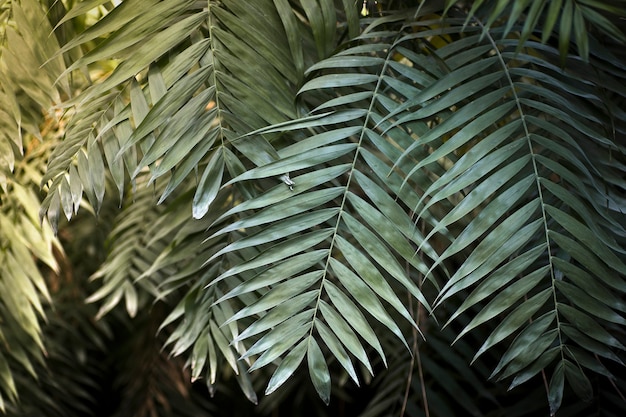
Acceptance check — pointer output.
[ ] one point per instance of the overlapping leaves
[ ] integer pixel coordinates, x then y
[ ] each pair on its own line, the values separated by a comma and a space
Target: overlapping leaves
177, 104
521, 140
438, 159
331, 247
571, 20
525, 138
169, 105
23, 242
27, 246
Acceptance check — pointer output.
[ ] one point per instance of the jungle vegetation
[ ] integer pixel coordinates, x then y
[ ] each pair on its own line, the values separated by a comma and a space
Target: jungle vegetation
312, 207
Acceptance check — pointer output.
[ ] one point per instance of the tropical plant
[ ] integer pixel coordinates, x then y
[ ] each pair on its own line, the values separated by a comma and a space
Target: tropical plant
354, 208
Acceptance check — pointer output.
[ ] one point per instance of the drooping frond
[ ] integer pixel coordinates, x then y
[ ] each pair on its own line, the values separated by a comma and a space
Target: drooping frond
23, 243
178, 99
299, 183
142, 232
27, 246
154, 256
177, 105
475, 125
530, 146
325, 255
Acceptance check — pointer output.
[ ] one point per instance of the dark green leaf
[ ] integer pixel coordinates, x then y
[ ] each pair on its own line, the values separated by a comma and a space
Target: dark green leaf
318, 370
287, 367
555, 390
209, 185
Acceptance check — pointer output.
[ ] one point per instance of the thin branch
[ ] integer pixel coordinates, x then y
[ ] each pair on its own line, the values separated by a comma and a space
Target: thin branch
416, 353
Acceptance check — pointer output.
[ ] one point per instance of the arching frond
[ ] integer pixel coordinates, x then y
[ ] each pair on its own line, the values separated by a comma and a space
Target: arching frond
23, 243
27, 246
525, 140
332, 257
476, 126
295, 182
178, 98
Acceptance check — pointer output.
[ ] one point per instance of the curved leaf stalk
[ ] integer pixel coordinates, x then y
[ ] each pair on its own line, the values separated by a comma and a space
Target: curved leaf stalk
416, 354
420, 317
515, 248
324, 391
544, 216
297, 314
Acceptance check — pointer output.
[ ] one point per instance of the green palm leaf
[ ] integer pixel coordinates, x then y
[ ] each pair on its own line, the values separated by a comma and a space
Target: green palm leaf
29, 251
297, 183
172, 73
371, 249
498, 139
546, 219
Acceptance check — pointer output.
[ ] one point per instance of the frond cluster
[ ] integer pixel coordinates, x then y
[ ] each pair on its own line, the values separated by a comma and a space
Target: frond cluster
303, 191
28, 247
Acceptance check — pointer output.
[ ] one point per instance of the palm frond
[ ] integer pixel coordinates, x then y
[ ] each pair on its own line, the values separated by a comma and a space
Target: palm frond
525, 139
521, 140
336, 246
141, 233
177, 100
288, 180
28, 248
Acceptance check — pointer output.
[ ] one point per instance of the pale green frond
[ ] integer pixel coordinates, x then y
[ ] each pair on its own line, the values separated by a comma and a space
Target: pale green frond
187, 91
29, 251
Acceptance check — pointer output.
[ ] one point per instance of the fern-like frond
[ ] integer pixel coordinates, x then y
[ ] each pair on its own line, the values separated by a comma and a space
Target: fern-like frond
28, 247
296, 179
526, 140
475, 126
177, 99
142, 231
24, 242
332, 259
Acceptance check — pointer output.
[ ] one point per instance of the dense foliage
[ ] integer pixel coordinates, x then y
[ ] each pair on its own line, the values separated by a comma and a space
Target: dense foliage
326, 207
